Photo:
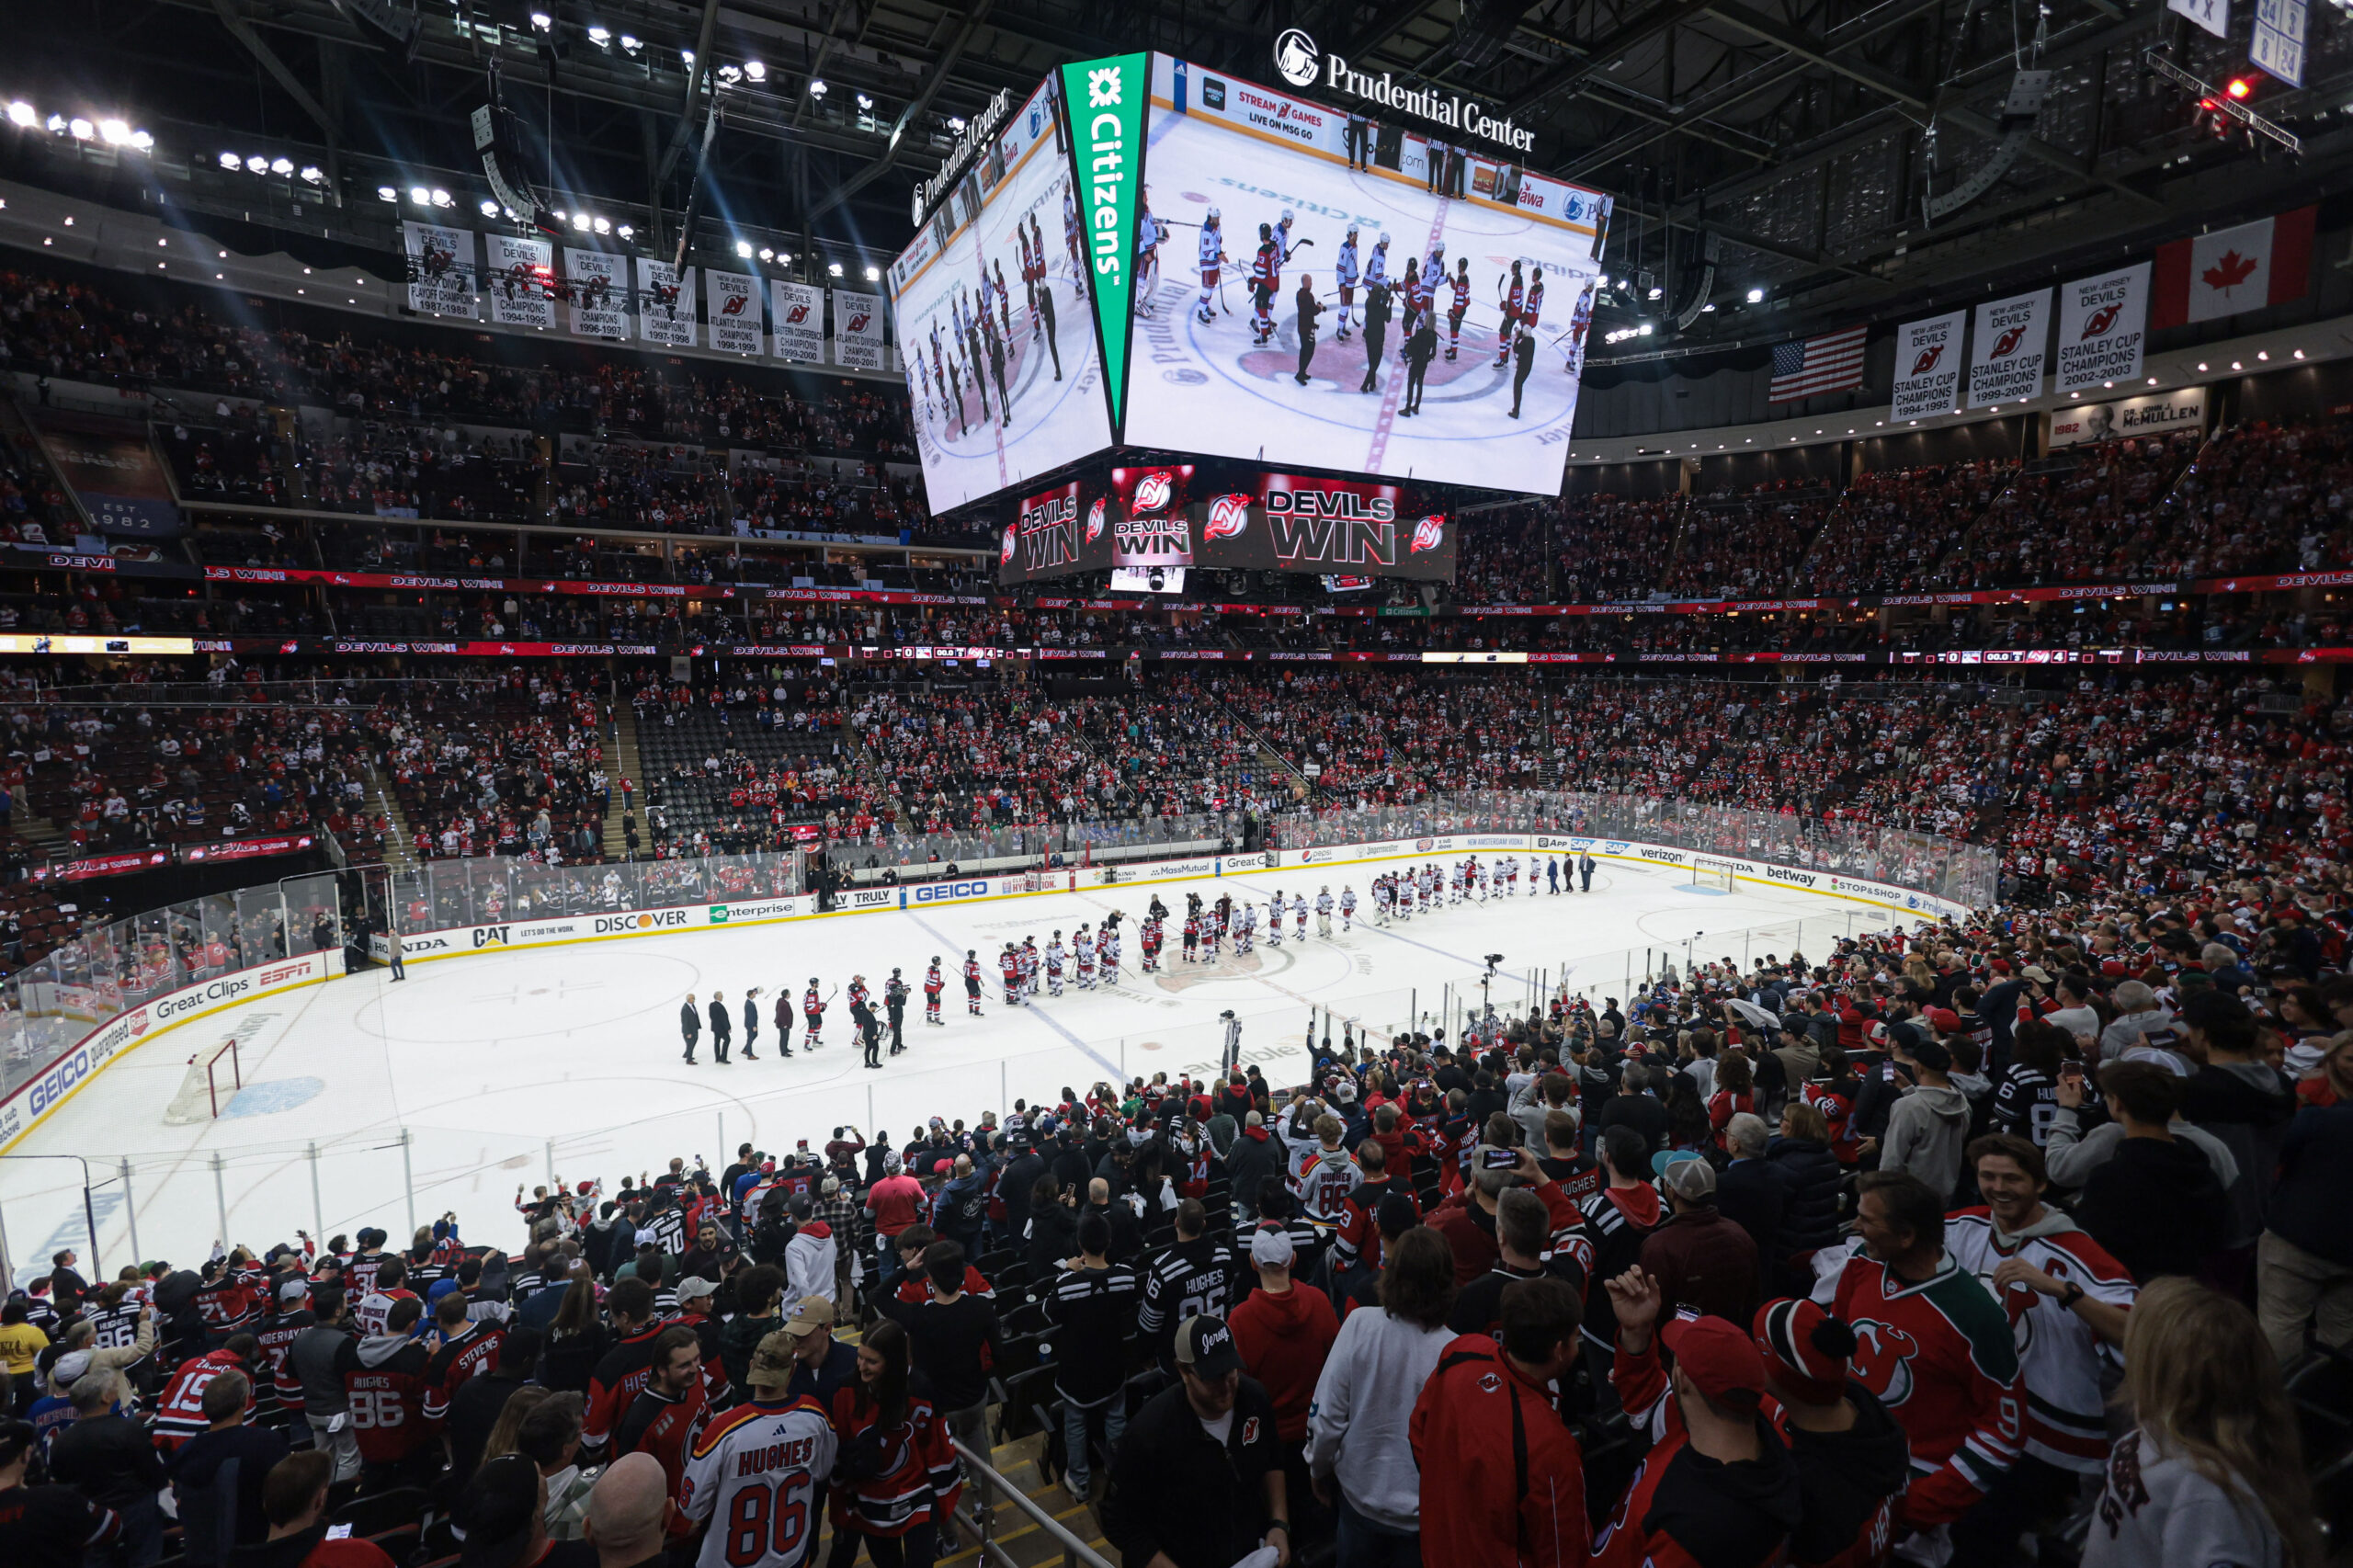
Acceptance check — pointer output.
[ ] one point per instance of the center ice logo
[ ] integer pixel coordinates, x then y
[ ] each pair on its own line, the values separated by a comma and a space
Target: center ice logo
1296, 57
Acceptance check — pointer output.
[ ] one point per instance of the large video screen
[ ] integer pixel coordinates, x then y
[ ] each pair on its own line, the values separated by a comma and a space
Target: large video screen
1205, 376
994, 323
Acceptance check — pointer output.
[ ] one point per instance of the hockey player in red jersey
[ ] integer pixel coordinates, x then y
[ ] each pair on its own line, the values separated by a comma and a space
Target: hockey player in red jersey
972, 981
1932, 1345
812, 1012
932, 986
1460, 285
1514, 296
1531, 311
1266, 281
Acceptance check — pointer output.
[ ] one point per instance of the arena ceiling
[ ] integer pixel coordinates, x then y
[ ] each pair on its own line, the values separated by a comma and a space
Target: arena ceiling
1803, 138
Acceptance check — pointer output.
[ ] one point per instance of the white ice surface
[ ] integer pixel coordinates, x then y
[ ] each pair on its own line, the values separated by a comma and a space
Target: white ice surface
502, 1068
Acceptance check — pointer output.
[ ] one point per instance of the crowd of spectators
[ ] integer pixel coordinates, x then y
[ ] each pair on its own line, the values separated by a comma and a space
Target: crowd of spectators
511, 767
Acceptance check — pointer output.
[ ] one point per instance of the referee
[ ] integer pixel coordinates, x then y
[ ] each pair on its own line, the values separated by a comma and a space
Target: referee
894, 998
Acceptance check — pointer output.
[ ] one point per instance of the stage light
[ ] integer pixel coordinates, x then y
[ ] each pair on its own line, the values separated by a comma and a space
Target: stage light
1643, 330
782, 259
626, 232
384, 192
816, 86
282, 166
729, 75
23, 115
874, 275
581, 221
489, 209
744, 249
1657, 293
1757, 296
113, 132
864, 102
2239, 87
602, 225
601, 37
57, 123
442, 198
767, 254
630, 43
542, 22
313, 175
686, 57
421, 196
142, 141
231, 161
82, 129
956, 124
257, 164
755, 71
833, 268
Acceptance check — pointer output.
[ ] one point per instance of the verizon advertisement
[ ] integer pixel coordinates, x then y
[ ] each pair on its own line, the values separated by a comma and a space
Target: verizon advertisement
1055, 533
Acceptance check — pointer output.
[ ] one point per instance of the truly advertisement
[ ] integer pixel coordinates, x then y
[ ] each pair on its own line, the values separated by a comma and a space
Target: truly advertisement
1103, 101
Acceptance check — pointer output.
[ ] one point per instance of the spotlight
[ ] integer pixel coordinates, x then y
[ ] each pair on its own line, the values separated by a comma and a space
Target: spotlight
542, 22
57, 123
729, 75
755, 71
1757, 296
816, 86
421, 196
626, 232
384, 192
257, 164
489, 209
143, 141
2239, 87
767, 254
282, 166
686, 57
602, 225
1643, 330
833, 268
874, 275
601, 37
313, 175
113, 132
231, 161
442, 198
630, 43
864, 102
82, 129
956, 124
22, 114
744, 249
581, 221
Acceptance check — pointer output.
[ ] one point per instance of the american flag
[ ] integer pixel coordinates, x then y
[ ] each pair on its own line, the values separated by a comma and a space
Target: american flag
1832, 362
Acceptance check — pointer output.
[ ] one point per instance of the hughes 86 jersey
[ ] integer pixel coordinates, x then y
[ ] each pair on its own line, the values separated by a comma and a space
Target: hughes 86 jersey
759, 1473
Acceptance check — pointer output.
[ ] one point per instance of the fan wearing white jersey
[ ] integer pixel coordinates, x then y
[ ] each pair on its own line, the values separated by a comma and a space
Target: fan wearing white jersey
1322, 1172
758, 1471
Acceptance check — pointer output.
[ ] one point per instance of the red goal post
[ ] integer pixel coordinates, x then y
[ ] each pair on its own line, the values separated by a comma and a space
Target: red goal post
213, 1077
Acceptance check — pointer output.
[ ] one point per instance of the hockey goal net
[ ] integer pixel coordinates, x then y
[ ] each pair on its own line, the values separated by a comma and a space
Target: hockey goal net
1714, 874
212, 1079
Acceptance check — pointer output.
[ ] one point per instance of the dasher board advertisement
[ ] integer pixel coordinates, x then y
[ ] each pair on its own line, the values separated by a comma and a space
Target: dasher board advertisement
991, 303
1214, 368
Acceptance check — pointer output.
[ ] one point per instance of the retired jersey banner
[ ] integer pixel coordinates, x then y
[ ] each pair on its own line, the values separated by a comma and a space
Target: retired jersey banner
665, 303
1104, 103
2006, 351
2103, 321
734, 307
520, 281
858, 330
1927, 366
599, 281
798, 313
441, 278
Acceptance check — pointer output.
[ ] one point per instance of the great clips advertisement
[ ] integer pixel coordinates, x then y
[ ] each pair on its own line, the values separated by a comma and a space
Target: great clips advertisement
1055, 533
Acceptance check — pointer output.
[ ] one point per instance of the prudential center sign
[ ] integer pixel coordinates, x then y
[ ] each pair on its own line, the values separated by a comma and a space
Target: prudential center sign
1301, 63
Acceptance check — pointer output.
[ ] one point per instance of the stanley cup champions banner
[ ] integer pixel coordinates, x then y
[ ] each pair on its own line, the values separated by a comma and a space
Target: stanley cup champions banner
2102, 324
1927, 366
665, 303
520, 281
858, 330
2006, 351
441, 278
599, 281
734, 306
799, 321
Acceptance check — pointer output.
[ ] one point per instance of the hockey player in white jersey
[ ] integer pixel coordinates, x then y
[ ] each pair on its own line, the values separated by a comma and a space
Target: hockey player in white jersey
1150, 232
1376, 265
1323, 911
1344, 272
1054, 965
1275, 919
1433, 275
1212, 253
1071, 239
1299, 915
1282, 236
1347, 908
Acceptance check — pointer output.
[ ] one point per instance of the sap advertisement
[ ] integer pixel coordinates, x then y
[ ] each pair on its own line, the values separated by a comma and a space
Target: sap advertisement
991, 303
1501, 275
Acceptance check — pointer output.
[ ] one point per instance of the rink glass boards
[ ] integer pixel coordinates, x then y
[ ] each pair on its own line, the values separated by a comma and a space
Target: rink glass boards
1212, 387
1005, 386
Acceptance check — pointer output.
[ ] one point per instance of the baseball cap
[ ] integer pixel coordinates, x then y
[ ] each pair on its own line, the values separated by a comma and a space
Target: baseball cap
1715, 1354
1206, 1346
1272, 1249
71, 1368
1944, 1020
495, 1512
814, 1313
695, 1285
1807, 1346
2037, 973
1692, 1180
772, 1360
293, 1289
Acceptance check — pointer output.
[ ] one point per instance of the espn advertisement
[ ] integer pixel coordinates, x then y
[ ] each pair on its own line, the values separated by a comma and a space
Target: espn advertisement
2006, 351
2103, 321
1002, 375
1250, 206
1055, 533
1927, 366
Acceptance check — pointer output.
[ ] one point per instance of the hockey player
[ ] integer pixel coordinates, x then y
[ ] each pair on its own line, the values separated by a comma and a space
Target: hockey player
1284, 246
1298, 916
1010, 967
1245, 929
1511, 876
1347, 908
1192, 936
1054, 964
932, 986
1461, 303
1082, 948
1515, 295
1275, 907
1265, 282
1107, 953
1323, 911
1029, 273
1028, 966
1532, 311
1071, 238
1344, 272
1212, 252
813, 1014
1433, 275
1150, 232
1411, 297
972, 981
1004, 300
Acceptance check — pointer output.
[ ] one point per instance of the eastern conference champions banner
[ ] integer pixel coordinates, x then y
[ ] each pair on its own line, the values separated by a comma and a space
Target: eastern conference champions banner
2005, 350
858, 330
665, 304
734, 306
1927, 366
521, 281
440, 269
2102, 325
799, 321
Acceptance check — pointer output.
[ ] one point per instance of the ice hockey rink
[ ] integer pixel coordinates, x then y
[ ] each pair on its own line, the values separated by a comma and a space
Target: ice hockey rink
564, 1060
1205, 387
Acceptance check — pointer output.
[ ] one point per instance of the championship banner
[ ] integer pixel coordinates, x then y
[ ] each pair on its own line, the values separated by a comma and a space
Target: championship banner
2006, 351
798, 318
1927, 366
1055, 533
112, 467
1104, 100
734, 307
2103, 323
520, 281
440, 269
858, 330
599, 284
665, 304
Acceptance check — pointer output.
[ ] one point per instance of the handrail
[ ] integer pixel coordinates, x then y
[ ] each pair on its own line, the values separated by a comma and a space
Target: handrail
1076, 1553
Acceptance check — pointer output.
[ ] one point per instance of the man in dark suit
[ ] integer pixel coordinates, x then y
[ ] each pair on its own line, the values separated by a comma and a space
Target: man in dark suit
1523, 353
690, 1024
1750, 1192
723, 1027
1308, 311
1376, 332
1420, 349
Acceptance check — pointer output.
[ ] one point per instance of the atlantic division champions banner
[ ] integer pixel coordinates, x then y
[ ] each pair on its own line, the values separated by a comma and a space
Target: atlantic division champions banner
734, 305
858, 330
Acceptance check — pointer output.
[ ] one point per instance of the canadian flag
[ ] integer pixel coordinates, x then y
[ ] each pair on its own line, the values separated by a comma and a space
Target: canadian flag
2267, 262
